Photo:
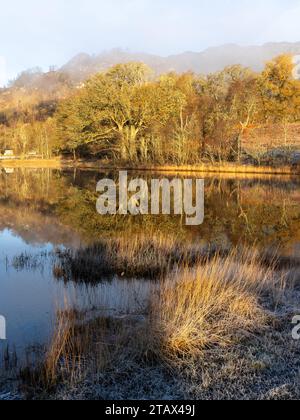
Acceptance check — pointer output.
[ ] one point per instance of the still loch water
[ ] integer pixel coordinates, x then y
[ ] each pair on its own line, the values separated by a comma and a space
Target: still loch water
44, 211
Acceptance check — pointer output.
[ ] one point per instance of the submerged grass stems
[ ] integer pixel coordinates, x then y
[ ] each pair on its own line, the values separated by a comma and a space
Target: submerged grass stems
147, 256
137, 257
215, 304
27, 261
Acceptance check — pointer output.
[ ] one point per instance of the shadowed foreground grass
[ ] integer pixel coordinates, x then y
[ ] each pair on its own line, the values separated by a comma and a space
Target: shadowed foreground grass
216, 310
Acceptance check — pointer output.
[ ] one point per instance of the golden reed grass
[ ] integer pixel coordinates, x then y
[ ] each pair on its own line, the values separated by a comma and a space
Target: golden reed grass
212, 304
217, 168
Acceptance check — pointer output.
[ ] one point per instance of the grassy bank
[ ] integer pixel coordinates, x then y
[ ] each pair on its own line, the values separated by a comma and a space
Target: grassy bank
224, 168
55, 163
220, 329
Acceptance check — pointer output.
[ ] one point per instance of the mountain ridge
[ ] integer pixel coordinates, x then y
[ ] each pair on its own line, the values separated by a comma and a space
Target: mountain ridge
210, 60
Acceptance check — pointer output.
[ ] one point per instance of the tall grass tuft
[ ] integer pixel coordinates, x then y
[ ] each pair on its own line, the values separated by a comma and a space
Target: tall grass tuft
212, 304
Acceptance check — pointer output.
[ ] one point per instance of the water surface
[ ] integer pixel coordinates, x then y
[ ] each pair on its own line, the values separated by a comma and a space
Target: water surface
42, 211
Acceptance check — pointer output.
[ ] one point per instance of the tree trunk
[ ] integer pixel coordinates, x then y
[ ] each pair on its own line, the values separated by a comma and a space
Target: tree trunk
132, 146
203, 141
239, 147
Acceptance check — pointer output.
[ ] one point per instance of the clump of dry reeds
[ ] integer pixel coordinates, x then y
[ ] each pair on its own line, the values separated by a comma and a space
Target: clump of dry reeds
74, 346
213, 304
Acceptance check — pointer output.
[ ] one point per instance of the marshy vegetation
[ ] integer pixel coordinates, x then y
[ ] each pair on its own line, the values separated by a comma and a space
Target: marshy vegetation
219, 305
140, 256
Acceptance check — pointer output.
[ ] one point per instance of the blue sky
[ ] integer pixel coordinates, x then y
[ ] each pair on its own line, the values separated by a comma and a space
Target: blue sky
49, 32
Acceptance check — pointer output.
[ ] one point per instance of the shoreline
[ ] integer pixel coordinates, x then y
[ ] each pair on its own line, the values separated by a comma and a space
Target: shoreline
226, 168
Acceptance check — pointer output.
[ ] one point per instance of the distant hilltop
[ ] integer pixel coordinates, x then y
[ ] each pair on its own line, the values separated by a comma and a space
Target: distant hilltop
208, 61
83, 65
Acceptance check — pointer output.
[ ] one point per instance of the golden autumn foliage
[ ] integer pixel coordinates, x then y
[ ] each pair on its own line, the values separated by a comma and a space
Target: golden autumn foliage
280, 91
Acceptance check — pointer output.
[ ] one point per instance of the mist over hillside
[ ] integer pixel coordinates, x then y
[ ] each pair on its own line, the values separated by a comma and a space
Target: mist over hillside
207, 61
211, 60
